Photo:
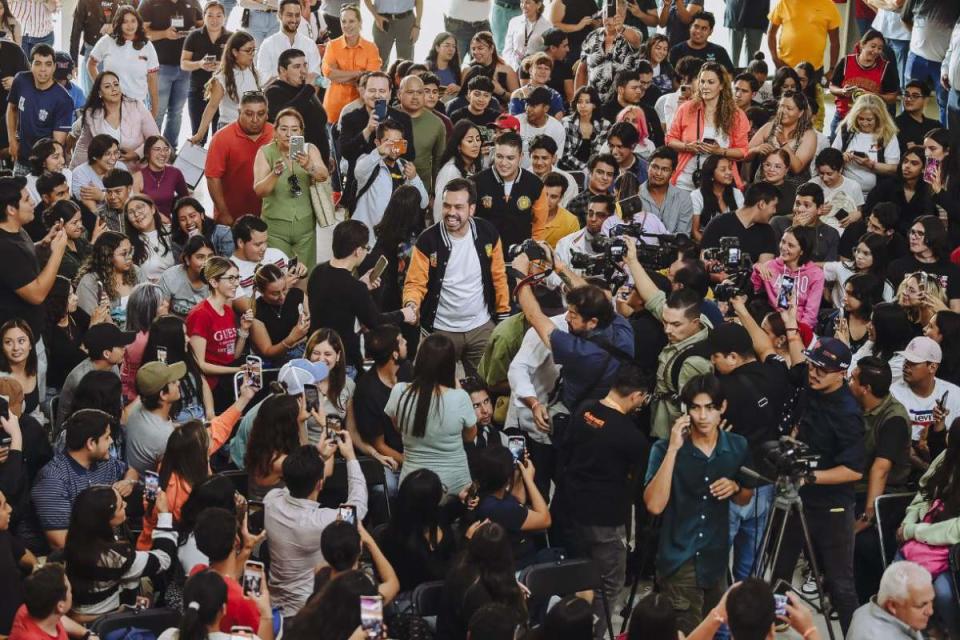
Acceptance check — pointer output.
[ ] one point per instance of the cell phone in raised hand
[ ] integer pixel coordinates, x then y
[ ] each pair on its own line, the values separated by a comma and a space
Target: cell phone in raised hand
255, 371
347, 513
787, 284
371, 616
296, 146
253, 578
378, 268
151, 485
517, 446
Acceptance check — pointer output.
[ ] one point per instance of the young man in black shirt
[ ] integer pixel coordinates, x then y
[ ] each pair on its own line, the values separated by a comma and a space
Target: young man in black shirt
557, 46
750, 224
929, 252
881, 220
698, 44
602, 453
478, 111
338, 300
632, 86
912, 124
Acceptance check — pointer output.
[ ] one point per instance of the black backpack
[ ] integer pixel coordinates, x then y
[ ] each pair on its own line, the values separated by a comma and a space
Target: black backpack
673, 368
846, 135
350, 196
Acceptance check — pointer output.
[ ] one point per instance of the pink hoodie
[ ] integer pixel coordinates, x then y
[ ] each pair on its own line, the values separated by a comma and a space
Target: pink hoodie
808, 288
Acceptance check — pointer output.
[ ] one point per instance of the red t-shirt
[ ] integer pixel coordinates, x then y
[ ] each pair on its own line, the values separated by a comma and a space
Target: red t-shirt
25, 628
220, 332
230, 158
241, 610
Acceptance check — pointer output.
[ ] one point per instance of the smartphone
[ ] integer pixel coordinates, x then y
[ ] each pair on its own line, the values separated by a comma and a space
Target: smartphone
312, 397
5, 407
517, 446
380, 109
610, 8
841, 215
400, 147
300, 309
930, 172
209, 58
371, 616
709, 141
378, 268
334, 423
860, 154
162, 355
292, 264
296, 146
781, 604
787, 284
151, 485
253, 578
347, 513
141, 602
255, 521
100, 292
255, 371
473, 491
942, 402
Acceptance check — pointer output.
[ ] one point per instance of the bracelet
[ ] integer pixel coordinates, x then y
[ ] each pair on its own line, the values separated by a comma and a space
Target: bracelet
809, 631
243, 333
789, 329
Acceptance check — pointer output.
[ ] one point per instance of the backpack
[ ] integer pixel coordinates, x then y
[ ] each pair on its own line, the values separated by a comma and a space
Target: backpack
350, 195
846, 135
674, 366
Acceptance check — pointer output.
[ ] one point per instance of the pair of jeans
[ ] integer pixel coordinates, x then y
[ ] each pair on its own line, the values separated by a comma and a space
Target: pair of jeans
919, 68
86, 81
831, 533
747, 524
900, 49
397, 34
174, 84
29, 42
463, 32
196, 104
500, 17
752, 37
263, 24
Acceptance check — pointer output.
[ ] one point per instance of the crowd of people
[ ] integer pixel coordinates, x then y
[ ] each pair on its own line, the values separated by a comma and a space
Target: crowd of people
587, 282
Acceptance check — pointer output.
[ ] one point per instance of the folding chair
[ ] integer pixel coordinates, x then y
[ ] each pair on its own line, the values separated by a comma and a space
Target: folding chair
563, 578
335, 488
890, 510
240, 479
428, 598
154, 620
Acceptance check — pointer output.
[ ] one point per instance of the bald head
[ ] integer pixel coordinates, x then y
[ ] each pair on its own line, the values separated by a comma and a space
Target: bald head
411, 95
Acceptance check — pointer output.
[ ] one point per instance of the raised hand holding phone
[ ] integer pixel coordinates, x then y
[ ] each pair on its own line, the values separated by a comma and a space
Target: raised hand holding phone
679, 432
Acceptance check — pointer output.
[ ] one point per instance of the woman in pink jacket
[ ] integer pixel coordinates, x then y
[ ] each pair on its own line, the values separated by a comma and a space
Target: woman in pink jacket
796, 262
709, 125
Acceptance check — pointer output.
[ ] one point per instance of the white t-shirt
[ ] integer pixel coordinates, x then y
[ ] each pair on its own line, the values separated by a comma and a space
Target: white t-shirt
696, 199
847, 196
269, 52
685, 181
929, 38
157, 260
528, 132
230, 108
247, 269
462, 307
836, 275
131, 65
867, 143
921, 409
467, 10
891, 25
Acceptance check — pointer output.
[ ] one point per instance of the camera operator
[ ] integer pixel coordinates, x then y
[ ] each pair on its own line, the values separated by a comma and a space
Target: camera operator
683, 357
887, 462
831, 425
757, 392
689, 482
599, 208
602, 451
750, 224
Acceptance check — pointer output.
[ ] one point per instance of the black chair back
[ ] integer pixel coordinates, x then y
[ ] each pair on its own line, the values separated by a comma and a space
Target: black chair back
563, 578
428, 598
240, 479
890, 509
154, 620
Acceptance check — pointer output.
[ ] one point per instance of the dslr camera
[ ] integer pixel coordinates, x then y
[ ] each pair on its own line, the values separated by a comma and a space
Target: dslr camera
530, 247
728, 256
790, 458
652, 256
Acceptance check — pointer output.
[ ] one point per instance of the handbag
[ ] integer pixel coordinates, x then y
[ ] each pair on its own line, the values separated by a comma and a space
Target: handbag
933, 558
321, 199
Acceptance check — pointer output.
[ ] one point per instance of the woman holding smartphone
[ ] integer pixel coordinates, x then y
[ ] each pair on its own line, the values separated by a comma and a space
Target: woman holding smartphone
793, 275
281, 317
201, 55
109, 272
235, 75
941, 173
283, 172
867, 136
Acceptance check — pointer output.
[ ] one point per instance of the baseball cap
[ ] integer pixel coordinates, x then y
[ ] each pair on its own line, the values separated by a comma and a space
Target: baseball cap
540, 95
507, 121
830, 355
101, 337
923, 349
154, 376
729, 337
63, 65
296, 374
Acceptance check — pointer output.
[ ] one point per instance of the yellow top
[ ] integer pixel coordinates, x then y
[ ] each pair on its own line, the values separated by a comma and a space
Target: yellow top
804, 25
563, 224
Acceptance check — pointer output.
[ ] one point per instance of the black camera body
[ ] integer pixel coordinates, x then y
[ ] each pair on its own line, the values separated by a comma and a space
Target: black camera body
738, 284
790, 458
652, 256
530, 247
728, 256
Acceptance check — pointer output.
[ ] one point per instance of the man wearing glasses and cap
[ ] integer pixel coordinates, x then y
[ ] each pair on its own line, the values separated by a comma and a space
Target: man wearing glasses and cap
831, 425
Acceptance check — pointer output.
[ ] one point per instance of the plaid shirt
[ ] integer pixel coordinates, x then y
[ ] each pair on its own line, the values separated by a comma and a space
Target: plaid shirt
571, 125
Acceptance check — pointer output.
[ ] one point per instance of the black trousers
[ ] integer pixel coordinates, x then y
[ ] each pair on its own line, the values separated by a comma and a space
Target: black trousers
831, 531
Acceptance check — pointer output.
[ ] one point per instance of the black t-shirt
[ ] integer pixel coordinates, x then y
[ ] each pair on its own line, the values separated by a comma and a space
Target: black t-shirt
21, 269
756, 395
909, 130
633, 21
11, 589
602, 451
12, 62
280, 321
562, 71
948, 273
485, 119
369, 400
897, 245
754, 240
710, 53
509, 514
892, 443
161, 15
199, 44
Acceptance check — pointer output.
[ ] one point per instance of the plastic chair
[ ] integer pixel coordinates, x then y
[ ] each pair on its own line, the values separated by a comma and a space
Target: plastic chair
890, 510
335, 488
564, 578
428, 598
154, 620
240, 479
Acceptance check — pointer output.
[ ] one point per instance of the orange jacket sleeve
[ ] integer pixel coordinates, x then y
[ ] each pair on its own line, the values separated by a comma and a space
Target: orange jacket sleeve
221, 427
540, 212
418, 274
501, 289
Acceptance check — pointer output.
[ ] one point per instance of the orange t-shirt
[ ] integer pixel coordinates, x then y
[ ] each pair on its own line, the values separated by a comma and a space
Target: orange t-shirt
362, 57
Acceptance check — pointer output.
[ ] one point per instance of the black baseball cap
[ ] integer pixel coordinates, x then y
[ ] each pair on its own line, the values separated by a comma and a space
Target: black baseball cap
729, 337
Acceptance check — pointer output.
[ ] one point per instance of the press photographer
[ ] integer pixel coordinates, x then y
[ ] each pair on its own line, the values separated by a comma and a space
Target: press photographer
831, 426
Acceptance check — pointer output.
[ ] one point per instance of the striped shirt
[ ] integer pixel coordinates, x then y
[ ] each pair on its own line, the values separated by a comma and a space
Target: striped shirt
34, 17
61, 480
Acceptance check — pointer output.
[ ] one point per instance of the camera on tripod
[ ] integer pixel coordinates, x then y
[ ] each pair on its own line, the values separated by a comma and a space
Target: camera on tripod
728, 256
530, 247
790, 458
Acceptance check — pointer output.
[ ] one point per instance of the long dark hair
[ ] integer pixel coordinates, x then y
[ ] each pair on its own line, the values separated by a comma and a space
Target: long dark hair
400, 217
878, 247
208, 226
94, 101
868, 289
434, 367
100, 263
43, 149
336, 377
90, 536
56, 305
489, 554
140, 251
204, 595
944, 482
168, 332
228, 63
453, 65
186, 454
334, 613
892, 328
31, 365
452, 150
948, 322
140, 40
810, 93
416, 516
711, 205
951, 166
275, 432
654, 618
214, 491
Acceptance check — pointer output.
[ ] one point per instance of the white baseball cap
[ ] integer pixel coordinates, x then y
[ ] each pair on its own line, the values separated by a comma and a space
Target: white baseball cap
923, 349
296, 374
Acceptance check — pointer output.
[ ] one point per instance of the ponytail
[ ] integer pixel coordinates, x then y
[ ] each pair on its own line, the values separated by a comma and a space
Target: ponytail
204, 595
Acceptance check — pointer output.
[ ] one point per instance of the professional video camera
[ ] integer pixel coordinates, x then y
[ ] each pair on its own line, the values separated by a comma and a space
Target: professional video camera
790, 459
728, 256
530, 247
652, 256
738, 284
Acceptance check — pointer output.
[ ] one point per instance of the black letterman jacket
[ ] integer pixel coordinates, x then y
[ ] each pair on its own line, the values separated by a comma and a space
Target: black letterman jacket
428, 264
521, 216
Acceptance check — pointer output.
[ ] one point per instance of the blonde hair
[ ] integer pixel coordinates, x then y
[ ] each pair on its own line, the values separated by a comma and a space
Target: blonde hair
886, 128
215, 267
929, 284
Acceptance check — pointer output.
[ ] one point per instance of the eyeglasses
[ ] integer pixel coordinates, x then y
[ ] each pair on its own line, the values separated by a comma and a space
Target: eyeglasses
230, 278
918, 233
248, 50
256, 93
295, 189
913, 96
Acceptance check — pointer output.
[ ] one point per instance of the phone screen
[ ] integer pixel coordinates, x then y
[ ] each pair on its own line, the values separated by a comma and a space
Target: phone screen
255, 371
347, 513
781, 604
255, 522
378, 268
930, 171
292, 264
151, 485
296, 146
371, 616
253, 578
841, 214
786, 291
380, 109
709, 141
517, 445
5, 407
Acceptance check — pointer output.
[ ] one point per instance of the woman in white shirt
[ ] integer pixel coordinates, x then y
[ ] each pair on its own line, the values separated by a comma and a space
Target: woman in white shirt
86, 184
868, 139
236, 76
153, 249
869, 256
461, 159
46, 157
128, 53
525, 32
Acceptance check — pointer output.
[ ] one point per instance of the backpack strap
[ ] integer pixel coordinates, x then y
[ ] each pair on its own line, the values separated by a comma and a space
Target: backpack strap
698, 348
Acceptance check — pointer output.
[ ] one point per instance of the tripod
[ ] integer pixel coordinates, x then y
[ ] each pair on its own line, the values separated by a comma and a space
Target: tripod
788, 501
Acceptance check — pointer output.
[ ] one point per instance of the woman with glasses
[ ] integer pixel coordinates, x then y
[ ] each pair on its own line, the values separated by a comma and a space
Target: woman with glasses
775, 169
790, 130
921, 295
282, 177
153, 249
128, 52
159, 179
863, 71
103, 154
867, 136
236, 75
109, 272
147, 303
281, 317
929, 252
216, 338
109, 111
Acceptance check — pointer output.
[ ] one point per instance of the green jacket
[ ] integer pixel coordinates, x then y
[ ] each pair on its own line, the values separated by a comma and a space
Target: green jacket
946, 532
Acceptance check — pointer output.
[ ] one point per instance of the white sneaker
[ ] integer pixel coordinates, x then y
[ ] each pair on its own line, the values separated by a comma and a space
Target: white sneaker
809, 587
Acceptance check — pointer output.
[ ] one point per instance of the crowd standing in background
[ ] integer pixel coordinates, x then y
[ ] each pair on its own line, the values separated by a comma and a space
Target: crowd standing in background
371, 346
